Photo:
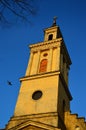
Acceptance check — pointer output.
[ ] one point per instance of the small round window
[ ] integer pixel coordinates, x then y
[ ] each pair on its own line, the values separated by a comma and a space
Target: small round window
45, 54
37, 95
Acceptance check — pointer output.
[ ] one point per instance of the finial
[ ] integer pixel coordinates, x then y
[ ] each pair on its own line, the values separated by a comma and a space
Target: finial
54, 21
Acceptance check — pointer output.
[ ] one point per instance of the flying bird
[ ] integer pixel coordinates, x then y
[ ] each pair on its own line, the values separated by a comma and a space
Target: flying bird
9, 83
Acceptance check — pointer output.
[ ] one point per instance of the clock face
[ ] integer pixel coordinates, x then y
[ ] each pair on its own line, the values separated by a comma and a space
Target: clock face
37, 95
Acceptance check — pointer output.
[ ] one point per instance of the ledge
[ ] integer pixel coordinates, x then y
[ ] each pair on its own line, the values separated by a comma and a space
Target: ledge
41, 75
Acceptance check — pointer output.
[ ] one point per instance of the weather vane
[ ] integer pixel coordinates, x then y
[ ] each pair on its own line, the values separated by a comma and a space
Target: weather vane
54, 21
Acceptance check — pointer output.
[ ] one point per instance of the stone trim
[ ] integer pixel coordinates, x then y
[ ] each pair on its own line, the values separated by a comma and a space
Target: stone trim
45, 45
40, 75
35, 124
27, 120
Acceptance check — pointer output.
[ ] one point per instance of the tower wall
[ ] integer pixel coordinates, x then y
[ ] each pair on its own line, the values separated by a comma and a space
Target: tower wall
49, 51
48, 85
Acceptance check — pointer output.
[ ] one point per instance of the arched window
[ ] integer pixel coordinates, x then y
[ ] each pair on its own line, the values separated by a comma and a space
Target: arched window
43, 65
50, 37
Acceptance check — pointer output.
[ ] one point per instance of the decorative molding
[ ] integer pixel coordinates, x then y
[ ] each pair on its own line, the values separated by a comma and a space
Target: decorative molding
40, 75
27, 120
46, 45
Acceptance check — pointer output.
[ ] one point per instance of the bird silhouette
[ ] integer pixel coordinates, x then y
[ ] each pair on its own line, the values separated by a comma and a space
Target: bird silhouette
9, 83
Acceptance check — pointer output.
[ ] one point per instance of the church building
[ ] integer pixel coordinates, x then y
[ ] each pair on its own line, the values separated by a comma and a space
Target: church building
44, 98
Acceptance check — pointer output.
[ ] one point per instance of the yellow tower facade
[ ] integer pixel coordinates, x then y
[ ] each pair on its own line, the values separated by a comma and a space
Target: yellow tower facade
44, 97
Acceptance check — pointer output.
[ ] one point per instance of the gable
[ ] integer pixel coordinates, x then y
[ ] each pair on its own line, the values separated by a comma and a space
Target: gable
33, 125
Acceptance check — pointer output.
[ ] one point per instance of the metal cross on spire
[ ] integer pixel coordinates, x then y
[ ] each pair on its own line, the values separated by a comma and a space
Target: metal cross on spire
54, 21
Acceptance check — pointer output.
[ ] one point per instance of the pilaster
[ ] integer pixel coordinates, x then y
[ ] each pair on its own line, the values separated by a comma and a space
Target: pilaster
29, 65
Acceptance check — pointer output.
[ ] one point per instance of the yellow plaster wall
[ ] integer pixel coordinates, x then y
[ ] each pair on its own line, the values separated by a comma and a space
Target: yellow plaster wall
34, 64
56, 59
47, 103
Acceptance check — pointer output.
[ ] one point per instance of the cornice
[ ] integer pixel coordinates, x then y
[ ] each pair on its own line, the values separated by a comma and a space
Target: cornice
51, 28
31, 116
46, 45
27, 120
41, 75
35, 124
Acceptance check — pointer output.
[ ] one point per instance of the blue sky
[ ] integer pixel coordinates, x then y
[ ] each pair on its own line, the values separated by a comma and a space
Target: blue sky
14, 52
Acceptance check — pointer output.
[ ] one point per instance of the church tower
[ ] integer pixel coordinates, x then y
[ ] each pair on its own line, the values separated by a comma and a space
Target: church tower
44, 96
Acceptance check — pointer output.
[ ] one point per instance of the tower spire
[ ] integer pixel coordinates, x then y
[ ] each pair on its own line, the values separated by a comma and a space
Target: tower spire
54, 21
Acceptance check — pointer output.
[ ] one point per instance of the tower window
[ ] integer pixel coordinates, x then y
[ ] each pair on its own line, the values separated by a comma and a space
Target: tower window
50, 37
43, 65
